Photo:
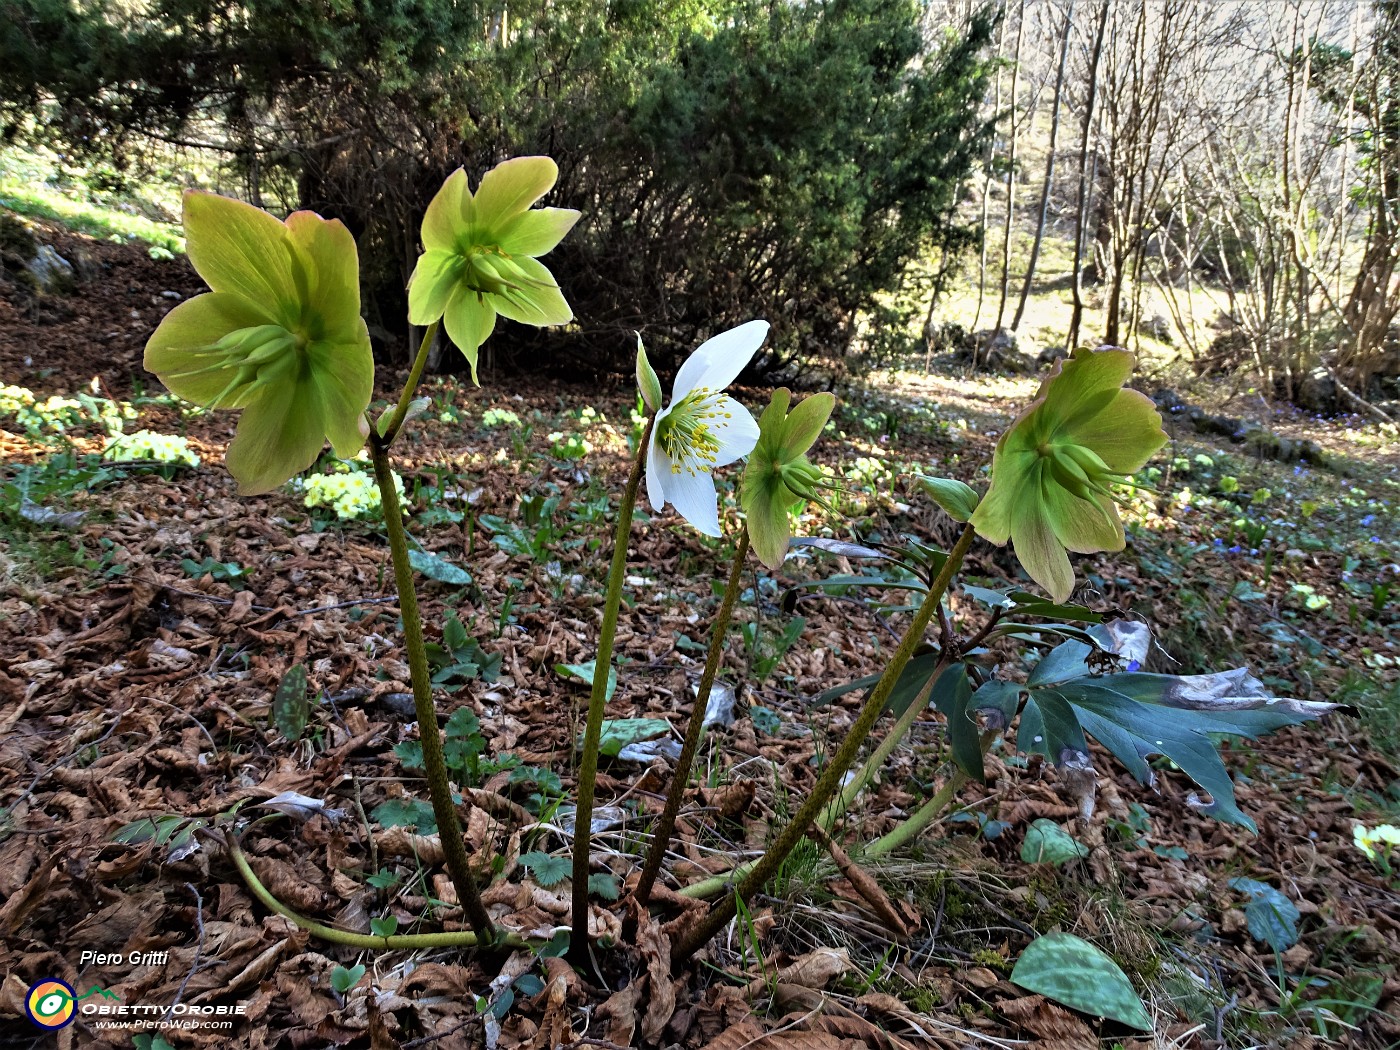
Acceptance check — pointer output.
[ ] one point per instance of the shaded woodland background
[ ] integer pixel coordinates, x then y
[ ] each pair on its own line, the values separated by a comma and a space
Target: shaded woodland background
1220, 176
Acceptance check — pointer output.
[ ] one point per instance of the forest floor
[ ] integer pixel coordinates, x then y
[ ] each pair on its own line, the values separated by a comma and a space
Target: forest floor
143, 636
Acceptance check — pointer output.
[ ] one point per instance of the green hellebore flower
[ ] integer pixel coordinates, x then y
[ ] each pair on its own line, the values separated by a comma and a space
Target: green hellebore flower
1053, 468
778, 475
480, 250
279, 336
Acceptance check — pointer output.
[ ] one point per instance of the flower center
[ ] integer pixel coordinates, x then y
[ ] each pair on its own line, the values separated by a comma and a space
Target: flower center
687, 434
490, 271
248, 356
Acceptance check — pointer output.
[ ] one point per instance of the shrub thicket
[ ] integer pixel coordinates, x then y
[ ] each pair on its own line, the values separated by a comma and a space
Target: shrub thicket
732, 158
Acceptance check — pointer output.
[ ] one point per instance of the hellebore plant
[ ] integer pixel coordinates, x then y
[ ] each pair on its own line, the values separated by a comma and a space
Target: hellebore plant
779, 458
481, 254
1054, 468
680, 446
280, 337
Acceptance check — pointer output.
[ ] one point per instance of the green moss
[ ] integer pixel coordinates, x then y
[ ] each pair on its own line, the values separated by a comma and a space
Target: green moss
992, 960
15, 239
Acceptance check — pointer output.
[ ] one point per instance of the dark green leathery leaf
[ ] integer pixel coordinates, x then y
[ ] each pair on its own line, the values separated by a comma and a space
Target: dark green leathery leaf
1272, 917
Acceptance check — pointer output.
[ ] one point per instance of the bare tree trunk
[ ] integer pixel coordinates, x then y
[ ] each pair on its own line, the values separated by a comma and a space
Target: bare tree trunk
1082, 215
1375, 300
986, 192
1049, 167
1010, 175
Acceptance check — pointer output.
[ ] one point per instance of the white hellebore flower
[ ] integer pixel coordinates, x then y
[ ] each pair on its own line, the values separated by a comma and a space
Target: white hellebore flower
703, 429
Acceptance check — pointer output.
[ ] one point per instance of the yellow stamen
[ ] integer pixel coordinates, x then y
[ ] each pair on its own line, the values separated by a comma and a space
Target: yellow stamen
687, 434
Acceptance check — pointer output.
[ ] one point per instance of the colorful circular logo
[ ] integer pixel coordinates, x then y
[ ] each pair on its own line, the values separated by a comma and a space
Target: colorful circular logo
50, 1003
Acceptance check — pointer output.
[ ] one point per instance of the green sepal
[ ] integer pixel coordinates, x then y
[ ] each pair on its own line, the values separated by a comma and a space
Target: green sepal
647, 381
956, 498
778, 476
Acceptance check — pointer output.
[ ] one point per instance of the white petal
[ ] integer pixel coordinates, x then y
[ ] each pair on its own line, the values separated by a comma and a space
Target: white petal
695, 499
658, 470
736, 435
717, 361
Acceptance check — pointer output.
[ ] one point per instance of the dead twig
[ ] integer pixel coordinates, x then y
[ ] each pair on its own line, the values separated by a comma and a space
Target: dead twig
198, 951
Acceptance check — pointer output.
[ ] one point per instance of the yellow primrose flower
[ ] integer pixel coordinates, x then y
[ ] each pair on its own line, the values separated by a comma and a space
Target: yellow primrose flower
1377, 842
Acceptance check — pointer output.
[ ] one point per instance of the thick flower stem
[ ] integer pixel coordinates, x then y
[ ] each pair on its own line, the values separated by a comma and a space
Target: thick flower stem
877, 758
829, 816
829, 782
391, 428
439, 790
925, 815
597, 703
919, 820
402, 941
661, 831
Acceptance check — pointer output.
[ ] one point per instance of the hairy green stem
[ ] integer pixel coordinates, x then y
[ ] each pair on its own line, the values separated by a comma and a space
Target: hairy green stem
920, 819
830, 780
829, 816
439, 789
404, 941
877, 758
661, 831
929, 811
598, 700
391, 430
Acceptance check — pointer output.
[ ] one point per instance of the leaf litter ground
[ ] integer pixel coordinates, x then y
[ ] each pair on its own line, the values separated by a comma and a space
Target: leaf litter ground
131, 689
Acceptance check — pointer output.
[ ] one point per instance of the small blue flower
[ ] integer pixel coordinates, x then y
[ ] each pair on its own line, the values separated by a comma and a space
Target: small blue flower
1368, 519
1133, 665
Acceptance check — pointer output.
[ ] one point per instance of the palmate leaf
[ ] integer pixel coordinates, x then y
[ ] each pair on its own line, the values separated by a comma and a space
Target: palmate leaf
1028, 604
547, 870
1137, 716
911, 682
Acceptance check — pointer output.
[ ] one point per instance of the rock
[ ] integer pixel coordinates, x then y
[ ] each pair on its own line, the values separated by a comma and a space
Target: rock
1316, 392
16, 242
52, 273
998, 352
1158, 327
948, 337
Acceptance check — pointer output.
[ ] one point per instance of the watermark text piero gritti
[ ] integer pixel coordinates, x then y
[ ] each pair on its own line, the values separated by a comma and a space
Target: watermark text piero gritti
117, 958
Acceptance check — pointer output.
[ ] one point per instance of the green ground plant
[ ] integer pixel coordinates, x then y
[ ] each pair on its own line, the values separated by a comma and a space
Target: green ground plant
280, 338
